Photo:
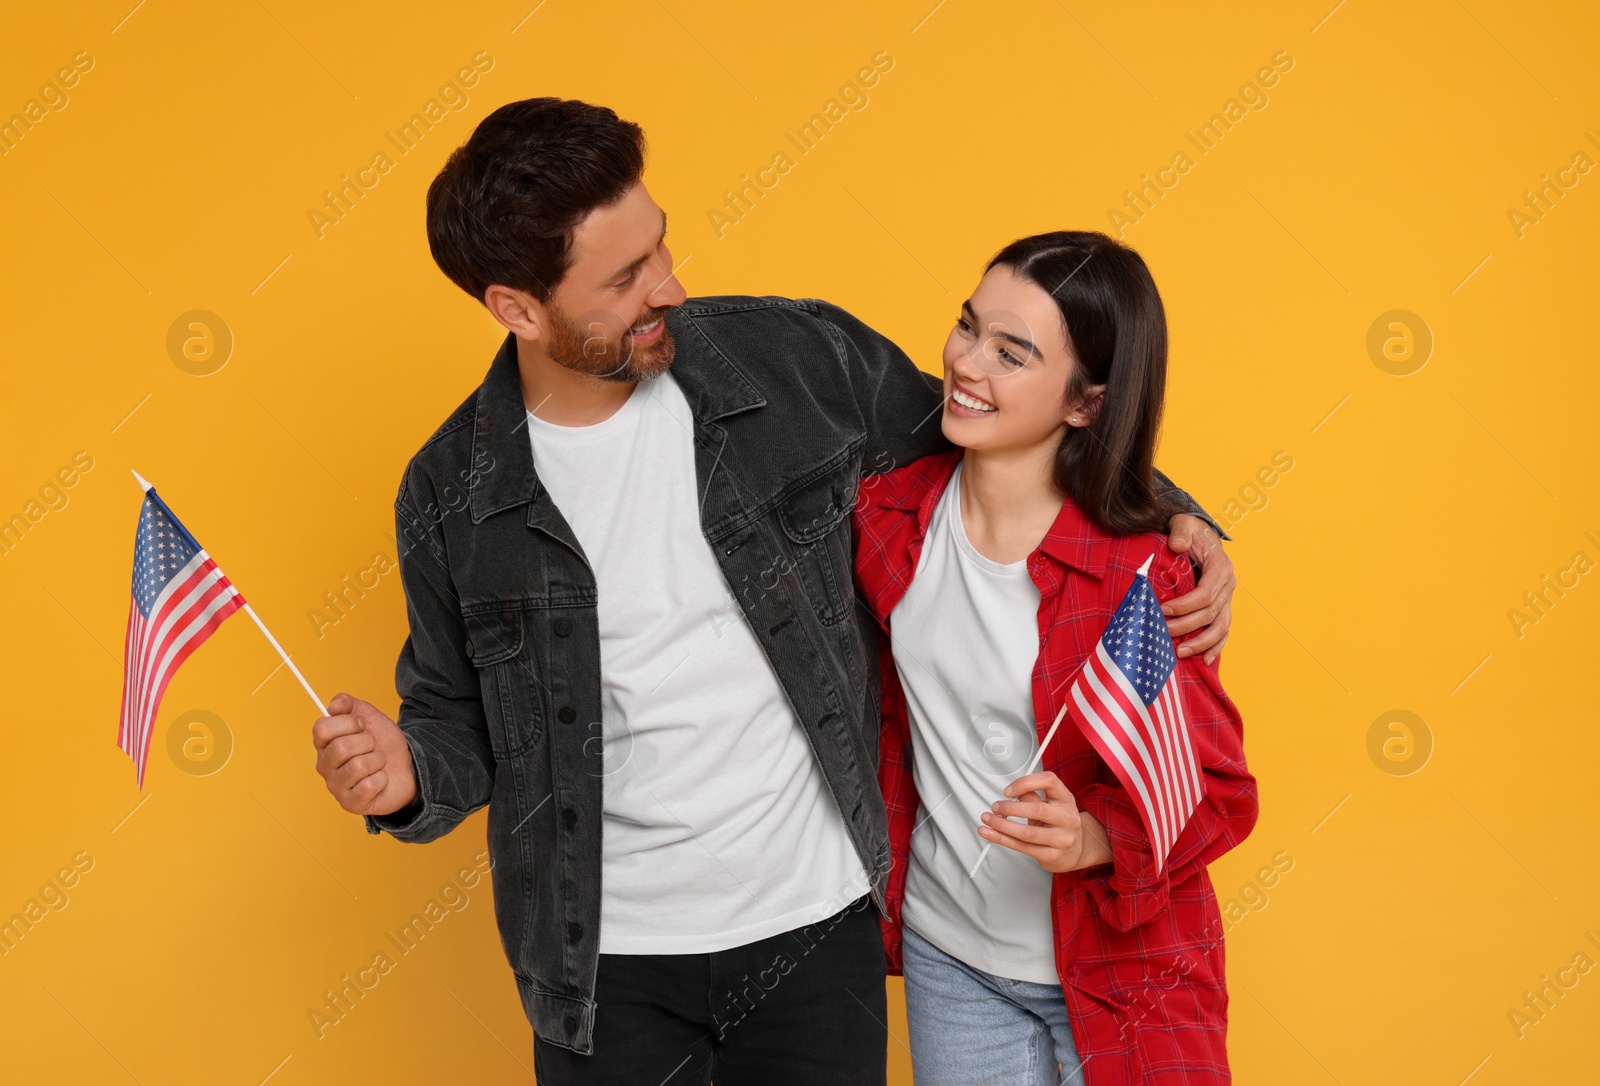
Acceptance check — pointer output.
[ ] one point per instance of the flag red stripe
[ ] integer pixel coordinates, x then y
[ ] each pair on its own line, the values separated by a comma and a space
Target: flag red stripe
1131, 714
182, 653
179, 638
199, 589
171, 597
157, 646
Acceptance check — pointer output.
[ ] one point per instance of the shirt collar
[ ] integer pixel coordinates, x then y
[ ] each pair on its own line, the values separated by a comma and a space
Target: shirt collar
1073, 539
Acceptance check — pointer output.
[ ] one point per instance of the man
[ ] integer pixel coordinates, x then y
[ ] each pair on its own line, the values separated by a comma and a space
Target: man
627, 566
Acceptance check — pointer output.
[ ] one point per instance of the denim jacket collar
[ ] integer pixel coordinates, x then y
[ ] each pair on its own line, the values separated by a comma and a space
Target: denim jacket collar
713, 386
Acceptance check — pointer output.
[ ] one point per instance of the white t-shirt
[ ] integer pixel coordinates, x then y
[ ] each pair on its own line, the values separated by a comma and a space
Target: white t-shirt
718, 826
965, 638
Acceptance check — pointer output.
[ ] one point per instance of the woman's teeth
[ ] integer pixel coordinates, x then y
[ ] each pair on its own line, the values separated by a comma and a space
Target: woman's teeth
971, 403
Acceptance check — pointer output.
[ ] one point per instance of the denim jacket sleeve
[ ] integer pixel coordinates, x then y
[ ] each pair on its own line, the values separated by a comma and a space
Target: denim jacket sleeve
1180, 499
441, 704
899, 403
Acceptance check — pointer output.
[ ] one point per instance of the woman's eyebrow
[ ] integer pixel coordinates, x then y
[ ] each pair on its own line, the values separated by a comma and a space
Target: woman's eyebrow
1001, 333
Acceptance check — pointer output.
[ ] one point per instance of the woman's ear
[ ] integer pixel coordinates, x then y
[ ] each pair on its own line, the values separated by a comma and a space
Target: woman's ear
1088, 408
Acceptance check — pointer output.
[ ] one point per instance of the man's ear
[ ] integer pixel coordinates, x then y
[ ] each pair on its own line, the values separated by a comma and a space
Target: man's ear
518, 310
1088, 409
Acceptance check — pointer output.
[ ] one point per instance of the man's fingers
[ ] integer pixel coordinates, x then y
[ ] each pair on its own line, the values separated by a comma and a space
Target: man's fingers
360, 796
1207, 638
342, 749
1216, 651
355, 770
1181, 532
1192, 620
329, 728
341, 704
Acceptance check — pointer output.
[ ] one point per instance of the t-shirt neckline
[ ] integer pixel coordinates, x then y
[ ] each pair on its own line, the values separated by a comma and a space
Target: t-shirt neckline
619, 419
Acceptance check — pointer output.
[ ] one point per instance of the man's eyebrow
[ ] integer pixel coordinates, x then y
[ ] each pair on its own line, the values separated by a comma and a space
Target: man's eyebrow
629, 269
1000, 333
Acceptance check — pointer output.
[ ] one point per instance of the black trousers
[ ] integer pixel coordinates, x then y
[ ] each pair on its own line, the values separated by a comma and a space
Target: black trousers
806, 1007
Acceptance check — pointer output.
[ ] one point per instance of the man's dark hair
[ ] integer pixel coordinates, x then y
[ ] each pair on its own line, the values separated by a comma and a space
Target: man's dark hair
503, 208
1117, 329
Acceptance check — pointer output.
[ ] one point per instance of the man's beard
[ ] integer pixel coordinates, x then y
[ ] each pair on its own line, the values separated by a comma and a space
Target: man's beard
592, 346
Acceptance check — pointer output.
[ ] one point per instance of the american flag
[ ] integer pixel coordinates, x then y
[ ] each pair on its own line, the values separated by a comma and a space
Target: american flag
179, 598
1128, 706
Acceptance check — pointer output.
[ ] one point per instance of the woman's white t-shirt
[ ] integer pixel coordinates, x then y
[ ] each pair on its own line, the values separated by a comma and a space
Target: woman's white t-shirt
965, 639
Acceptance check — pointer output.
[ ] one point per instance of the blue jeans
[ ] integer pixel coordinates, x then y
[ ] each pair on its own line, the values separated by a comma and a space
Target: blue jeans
971, 1028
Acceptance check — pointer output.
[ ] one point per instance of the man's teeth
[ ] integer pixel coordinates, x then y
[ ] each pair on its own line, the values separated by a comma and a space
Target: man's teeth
645, 329
969, 402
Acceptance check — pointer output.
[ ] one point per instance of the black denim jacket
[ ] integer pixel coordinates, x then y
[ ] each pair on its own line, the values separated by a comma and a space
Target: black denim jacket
499, 678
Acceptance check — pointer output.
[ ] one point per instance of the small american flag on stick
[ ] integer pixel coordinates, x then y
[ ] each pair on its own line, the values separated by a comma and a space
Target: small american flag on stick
1129, 708
180, 597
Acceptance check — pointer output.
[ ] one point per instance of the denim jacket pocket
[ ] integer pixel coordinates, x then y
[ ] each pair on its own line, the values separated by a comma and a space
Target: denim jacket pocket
816, 518
497, 646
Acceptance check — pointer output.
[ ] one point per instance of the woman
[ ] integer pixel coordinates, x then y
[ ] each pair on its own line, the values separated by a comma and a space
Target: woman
1070, 954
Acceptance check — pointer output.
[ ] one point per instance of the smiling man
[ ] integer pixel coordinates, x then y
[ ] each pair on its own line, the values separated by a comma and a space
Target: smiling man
635, 637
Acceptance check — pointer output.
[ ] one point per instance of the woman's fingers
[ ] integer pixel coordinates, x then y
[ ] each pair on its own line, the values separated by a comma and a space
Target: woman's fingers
1054, 814
1046, 782
1050, 835
1039, 853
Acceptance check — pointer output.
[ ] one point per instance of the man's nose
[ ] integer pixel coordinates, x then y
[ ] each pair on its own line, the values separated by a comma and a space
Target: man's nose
668, 292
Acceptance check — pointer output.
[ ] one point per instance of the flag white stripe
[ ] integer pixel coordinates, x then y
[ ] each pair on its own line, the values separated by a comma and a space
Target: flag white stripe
136, 660
1112, 741
177, 644
1164, 710
154, 638
1166, 771
1183, 730
202, 615
1109, 701
1180, 769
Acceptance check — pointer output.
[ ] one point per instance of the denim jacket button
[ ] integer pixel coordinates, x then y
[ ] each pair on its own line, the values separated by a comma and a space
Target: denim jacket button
569, 816
566, 714
468, 648
570, 1023
563, 627
574, 931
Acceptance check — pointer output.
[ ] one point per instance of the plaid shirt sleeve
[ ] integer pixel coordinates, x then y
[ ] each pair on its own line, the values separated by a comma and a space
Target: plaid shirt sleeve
1129, 891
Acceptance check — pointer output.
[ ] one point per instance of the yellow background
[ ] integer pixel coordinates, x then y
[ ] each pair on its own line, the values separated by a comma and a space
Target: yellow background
1377, 576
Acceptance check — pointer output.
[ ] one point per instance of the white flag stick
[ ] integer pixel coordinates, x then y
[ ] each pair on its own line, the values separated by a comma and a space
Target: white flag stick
251, 611
1032, 765
146, 486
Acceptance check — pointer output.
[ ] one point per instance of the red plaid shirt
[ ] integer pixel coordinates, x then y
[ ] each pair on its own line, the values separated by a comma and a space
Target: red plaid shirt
1140, 954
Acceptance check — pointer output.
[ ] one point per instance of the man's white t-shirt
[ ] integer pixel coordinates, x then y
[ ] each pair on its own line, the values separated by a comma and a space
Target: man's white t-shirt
965, 637
718, 826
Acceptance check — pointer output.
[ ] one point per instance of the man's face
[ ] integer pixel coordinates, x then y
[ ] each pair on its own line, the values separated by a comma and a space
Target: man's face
605, 317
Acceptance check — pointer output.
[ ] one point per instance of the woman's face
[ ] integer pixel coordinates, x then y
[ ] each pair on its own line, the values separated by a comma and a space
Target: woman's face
1006, 366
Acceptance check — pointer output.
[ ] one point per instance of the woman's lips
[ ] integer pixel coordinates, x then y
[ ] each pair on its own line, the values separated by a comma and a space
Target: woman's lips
962, 410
